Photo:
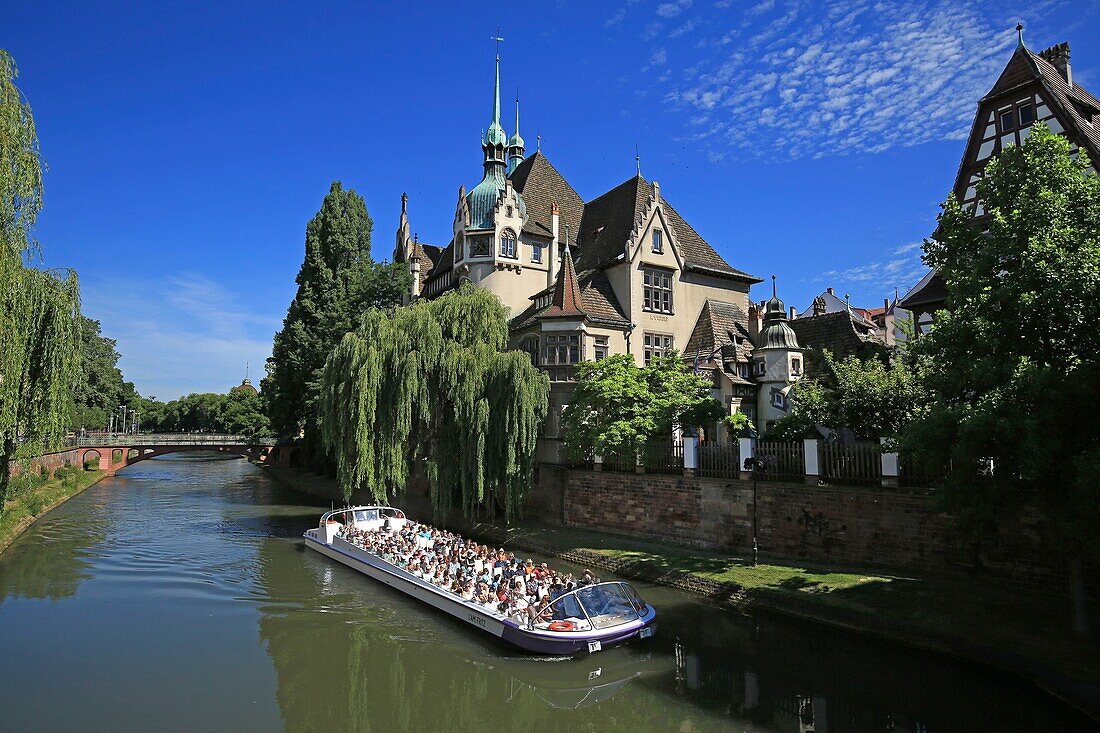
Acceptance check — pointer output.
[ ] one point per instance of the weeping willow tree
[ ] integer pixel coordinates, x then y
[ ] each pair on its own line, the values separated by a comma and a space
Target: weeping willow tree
432, 382
39, 310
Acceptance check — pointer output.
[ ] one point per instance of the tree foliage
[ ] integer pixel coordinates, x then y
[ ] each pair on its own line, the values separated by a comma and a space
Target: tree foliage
617, 407
99, 387
337, 282
871, 396
1013, 371
240, 412
39, 309
432, 382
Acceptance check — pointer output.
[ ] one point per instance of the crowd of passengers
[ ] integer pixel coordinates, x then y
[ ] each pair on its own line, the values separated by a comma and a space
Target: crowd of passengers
496, 579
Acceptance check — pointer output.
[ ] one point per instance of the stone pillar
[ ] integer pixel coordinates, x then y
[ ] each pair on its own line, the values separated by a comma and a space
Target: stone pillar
745, 451
597, 462
811, 454
691, 455
889, 467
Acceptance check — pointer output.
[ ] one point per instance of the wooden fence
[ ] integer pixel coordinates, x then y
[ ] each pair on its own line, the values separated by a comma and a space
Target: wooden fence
851, 464
781, 460
719, 461
664, 455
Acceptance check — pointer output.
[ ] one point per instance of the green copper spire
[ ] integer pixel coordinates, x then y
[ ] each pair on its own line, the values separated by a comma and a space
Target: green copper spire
516, 152
494, 136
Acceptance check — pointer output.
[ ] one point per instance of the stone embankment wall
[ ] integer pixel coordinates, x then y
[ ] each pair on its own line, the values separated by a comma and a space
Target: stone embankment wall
887, 529
51, 462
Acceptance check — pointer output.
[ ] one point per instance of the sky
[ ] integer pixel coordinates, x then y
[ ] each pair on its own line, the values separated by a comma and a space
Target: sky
189, 143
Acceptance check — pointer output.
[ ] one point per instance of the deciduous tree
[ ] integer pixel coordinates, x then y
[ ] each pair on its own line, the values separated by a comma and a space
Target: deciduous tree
39, 309
617, 407
1014, 361
433, 382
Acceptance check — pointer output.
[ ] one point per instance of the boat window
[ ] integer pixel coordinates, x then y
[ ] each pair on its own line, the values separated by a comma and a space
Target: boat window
607, 605
366, 515
639, 604
391, 513
565, 614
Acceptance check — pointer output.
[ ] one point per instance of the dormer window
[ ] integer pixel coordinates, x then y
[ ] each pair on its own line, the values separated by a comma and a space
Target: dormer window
536, 253
658, 242
508, 244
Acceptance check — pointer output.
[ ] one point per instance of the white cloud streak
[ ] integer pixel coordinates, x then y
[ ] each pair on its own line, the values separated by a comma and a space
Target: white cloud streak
805, 79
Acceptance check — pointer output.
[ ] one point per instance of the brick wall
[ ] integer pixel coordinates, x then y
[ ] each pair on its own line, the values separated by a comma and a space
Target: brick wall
835, 526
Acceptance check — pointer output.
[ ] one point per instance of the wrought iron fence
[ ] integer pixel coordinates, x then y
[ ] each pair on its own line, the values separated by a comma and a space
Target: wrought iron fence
851, 464
719, 461
781, 460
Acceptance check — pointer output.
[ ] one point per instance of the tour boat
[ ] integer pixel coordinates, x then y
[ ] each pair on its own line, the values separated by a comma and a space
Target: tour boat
586, 619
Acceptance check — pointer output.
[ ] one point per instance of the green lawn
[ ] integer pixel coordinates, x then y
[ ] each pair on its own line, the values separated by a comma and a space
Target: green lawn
31, 496
958, 612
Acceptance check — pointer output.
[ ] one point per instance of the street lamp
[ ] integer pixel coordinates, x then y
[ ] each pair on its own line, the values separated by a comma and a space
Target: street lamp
755, 463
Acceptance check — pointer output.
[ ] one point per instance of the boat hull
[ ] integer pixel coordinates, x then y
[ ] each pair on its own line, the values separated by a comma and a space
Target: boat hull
540, 642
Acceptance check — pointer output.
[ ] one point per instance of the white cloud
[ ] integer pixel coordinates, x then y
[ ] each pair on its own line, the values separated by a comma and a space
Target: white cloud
185, 333
615, 19
837, 77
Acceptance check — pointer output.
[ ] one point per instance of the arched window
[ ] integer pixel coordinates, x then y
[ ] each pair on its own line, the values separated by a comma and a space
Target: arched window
530, 346
508, 244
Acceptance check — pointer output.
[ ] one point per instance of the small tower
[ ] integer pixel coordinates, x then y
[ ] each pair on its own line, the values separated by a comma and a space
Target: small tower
516, 151
402, 249
777, 363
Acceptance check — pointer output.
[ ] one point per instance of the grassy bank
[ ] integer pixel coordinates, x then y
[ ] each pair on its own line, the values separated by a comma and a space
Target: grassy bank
33, 495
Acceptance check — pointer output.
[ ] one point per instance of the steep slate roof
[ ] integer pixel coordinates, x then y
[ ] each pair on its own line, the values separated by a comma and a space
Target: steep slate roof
567, 301
541, 184
1067, 101
597, 301
609, 220
931, 290
837, 332
716, 326
429, 256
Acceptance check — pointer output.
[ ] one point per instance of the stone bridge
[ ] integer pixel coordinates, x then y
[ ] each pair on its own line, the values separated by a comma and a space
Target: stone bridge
116, 451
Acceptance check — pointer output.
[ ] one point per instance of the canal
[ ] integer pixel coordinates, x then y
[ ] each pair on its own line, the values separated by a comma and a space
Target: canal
177, 596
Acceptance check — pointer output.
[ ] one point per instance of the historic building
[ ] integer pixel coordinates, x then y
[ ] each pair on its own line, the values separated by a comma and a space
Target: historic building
623, 273
1033, 87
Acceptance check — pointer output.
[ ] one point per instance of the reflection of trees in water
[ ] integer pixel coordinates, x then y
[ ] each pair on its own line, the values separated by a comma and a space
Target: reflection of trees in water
341, 667
802, 678
51, 558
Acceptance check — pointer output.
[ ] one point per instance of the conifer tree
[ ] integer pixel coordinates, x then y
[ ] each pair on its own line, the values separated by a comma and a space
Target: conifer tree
337, 282
39, 309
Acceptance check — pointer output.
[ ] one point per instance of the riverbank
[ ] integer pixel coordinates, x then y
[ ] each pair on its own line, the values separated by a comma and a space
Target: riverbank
964, 618
29, 497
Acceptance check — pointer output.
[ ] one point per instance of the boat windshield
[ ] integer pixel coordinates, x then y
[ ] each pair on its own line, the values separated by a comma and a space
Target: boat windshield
608, 604
366, 515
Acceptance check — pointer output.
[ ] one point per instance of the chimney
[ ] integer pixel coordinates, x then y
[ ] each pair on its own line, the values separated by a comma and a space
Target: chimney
792, 313
552, 253
1058, 57
885, 304
829, 291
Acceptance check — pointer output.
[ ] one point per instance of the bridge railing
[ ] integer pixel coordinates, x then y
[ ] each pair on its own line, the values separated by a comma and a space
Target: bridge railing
145, 439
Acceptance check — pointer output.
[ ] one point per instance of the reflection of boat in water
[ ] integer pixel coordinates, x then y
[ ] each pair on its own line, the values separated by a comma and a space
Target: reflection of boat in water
578, 685
585, 619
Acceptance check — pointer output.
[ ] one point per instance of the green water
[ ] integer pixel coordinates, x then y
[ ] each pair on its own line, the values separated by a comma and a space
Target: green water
178, 597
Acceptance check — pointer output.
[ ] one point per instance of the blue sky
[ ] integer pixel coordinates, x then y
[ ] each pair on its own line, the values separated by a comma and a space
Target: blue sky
189, 143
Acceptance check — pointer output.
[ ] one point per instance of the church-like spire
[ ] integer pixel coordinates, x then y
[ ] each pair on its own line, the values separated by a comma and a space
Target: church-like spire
516, 152
494, 140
